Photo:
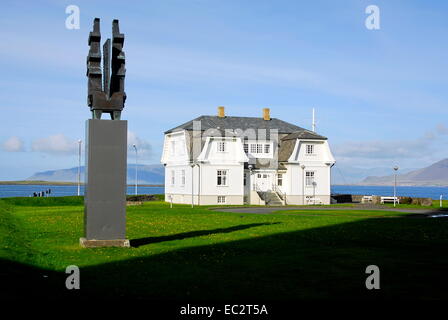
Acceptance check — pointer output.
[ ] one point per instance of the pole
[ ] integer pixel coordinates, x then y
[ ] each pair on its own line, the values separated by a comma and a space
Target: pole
79, 167
192, 196
440, 201
136, 164
395, 185
314, 123
199, 184
303, 184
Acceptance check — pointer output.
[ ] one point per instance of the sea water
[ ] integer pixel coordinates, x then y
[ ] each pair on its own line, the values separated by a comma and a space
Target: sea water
72, 190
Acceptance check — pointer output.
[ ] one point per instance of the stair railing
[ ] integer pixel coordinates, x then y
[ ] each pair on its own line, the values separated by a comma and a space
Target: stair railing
279, 193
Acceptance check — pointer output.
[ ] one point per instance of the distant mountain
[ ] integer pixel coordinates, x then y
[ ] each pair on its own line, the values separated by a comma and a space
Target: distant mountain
349, 175
434, 175
146, 174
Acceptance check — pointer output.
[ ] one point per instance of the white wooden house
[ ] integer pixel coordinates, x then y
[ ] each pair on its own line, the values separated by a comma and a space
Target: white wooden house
245, 160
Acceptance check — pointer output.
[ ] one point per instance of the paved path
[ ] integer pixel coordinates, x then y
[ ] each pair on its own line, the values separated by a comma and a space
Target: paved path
268, 210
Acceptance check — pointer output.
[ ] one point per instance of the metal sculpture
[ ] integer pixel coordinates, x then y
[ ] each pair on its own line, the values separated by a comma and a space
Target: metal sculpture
106, 87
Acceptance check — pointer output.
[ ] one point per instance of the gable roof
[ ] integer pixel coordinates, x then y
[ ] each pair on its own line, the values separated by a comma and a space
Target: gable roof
245, 123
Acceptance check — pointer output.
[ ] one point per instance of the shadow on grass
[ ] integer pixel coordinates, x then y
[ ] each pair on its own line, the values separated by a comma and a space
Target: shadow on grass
322, 263
144, 241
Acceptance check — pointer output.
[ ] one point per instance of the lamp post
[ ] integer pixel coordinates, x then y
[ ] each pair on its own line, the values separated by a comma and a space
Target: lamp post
79, 167
395, 184
192, 190
136, 162
303, 183
251, 187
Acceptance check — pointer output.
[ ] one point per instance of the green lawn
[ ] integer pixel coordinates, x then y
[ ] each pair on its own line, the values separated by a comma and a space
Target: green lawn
196, 254
435, 204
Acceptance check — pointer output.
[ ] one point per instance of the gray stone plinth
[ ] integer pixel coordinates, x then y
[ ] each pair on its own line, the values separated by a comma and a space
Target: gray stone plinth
105, 195
93, 243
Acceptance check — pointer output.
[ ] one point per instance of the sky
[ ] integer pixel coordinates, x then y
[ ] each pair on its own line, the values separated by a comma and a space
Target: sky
380, 95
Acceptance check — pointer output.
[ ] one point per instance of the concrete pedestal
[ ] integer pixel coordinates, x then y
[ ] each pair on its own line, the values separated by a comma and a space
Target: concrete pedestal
105, 195
124, 243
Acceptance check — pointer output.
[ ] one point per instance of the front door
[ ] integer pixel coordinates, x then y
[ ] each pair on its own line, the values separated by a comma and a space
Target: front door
263, 181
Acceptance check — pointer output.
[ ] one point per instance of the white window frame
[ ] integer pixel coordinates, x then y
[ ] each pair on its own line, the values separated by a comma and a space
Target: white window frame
173, 177
222, 146
253, 148
267, 148
309, 149
246, 148
223, 173
310, 177
221, 199
280, 179
182, 177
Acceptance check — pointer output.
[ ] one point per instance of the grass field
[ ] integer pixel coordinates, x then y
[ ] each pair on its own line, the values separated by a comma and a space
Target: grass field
193, 254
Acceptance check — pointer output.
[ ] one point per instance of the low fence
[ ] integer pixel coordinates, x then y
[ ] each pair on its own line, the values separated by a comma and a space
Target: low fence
355, 198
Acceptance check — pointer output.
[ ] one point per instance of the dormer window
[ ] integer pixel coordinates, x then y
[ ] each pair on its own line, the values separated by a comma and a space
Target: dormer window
267, 148
310, 149
253, 148
221, 146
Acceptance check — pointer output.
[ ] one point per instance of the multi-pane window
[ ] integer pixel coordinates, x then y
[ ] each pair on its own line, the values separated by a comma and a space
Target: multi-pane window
221, 199
309, 178
221, 177
253, 148
222, 146
280, 179
173, 177
257, 148
183, 177
267, 148
309, 149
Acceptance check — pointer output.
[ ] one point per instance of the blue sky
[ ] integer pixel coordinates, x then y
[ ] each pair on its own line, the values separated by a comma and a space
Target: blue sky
380, 95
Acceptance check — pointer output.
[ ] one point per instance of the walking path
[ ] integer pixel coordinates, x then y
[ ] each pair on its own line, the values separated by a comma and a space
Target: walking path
268, 210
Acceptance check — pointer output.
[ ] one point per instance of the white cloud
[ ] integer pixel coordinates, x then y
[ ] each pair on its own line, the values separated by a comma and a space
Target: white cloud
55, 144
382, 149
418, 152
13, 144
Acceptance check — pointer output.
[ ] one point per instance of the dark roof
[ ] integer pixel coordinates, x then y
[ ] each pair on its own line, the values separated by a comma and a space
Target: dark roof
304, 134
245, 123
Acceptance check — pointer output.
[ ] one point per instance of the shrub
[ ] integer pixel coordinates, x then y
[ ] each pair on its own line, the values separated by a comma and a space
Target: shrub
405, 200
